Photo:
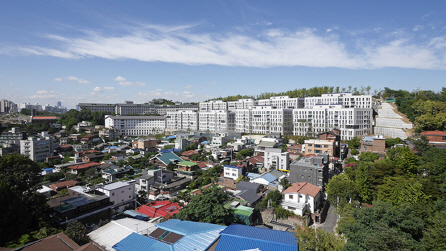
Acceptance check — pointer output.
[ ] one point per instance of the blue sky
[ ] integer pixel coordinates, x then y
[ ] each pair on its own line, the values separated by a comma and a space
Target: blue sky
111, 51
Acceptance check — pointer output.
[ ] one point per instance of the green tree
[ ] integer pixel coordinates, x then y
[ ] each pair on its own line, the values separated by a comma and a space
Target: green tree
383, 227
341, 189
320, 240
208, 207
241, 178
275, 198
354, 143
23, 177
77, 232
435, 234
403, 158
368, 156
401, 190
363, 184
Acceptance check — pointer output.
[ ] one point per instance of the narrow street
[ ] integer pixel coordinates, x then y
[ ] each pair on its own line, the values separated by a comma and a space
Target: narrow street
330, 221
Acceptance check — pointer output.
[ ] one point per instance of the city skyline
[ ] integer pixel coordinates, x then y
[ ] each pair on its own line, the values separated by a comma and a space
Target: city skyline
81, 51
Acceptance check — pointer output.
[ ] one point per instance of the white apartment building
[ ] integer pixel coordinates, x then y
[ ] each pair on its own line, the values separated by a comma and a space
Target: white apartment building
241, 104
275, 158
264, 120
128, 107
38, 148
121, 193
348, 100
213, 105
282, 102
321, 118
136, 125
182, 120
216, 121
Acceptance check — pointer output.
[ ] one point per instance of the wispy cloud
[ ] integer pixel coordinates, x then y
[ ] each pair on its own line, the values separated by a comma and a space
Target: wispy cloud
42, 94
124, 82
79, 80
109, 88
188, 87
57, 79
275, 47
97, 89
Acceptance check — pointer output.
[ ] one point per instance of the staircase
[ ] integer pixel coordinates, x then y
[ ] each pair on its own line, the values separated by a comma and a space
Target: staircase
391, 124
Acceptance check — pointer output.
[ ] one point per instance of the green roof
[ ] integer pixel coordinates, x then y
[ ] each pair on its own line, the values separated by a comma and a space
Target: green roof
228, 204
187, 163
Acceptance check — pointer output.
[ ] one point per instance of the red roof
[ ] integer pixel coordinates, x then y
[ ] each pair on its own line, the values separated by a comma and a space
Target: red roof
298, 146
159, 209
88, 151
256, 159
65, 146
303, 188
434, 133
84, 166
68, 183
88, 136
189, 153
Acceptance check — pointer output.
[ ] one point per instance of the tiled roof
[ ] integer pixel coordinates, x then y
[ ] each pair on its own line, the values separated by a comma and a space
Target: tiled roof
84, 166
68, 183
57, 242
436, 132
303, 188
241, 237
256, 159
190, 153
44, 117
159, 209
297, 146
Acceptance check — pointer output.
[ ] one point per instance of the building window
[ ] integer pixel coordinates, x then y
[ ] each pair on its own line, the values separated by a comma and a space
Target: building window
444, 137
113, 194
290, 196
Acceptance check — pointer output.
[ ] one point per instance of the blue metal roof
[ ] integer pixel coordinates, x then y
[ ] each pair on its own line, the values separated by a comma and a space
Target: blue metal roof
241, 237
228, 166
252, 175
172, 137
166, 158
140, 242
48, 169
269, 177
188, 227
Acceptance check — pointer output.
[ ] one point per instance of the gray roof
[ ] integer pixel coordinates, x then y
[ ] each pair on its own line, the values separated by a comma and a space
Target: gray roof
277, 173
267, 144
244, 185
249, 195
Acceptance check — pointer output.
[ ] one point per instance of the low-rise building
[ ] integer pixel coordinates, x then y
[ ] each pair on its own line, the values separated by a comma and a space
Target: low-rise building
313, 170
316, 146
38, 148
121, 193
374, 144
232, 172
136, 125
275, 158
301, 197
436, 138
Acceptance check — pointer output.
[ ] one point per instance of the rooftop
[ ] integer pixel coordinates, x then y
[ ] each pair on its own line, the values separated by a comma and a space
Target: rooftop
303, 188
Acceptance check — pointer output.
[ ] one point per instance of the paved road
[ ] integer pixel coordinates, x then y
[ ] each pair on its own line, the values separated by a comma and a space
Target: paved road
330, 221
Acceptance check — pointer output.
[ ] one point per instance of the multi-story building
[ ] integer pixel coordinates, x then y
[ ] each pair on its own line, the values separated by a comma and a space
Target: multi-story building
38, 148
121, 193
218, 105
282, 102
316, 146
216, 121
7, 106
373, 144
347, 100
264, 120
136, 125
313, 170
182, 120
321, 118
13, 136
241, 104
128, 107
275, 158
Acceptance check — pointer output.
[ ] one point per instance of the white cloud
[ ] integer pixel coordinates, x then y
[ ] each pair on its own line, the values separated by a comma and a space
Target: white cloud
418, 27
188, 87
57, 79
123, 82
276, 47
109, 88
42, 94
188, 94
97, 89
79, 80
159, 90
212, 83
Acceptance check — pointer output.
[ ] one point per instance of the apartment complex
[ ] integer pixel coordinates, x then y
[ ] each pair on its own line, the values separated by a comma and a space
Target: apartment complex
136, 125
38, 148
351, 114
128, 107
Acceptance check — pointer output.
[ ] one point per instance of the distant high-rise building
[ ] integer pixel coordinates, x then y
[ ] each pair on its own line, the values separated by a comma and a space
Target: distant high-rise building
59, 103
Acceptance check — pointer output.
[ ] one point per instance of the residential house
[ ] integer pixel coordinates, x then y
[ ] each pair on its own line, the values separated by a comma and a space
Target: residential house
242, 237
118, 157
93, 157
316, 146
59, 242
267, 180
301, 197
198, 139
169, 189
186, 168
159, 209
82, 168
163, 159
117, 230
249, 192
116, 172
188, 154
232, 172
313, 170
268, 142
332, 136
64, 185
88, 139
145, 143
174, 235
275, 158
150, 176
121, 193
182, 144
436, 138
374, 144
296, 149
